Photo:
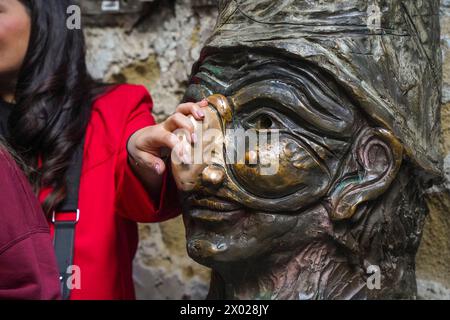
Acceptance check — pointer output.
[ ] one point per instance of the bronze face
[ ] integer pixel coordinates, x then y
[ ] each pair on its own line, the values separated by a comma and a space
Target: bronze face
354, 107
331, 161
240, 215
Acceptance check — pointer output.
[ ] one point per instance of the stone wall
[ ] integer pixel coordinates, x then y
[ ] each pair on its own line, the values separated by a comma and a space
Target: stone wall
159, 53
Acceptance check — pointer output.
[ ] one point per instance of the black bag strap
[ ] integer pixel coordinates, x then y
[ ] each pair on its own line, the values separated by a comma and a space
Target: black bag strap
64, 237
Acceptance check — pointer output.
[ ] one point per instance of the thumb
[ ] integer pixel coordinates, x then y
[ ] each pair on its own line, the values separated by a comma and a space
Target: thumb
151, 162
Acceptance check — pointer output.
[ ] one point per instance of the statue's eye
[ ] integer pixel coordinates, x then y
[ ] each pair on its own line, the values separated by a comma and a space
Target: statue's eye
261, 121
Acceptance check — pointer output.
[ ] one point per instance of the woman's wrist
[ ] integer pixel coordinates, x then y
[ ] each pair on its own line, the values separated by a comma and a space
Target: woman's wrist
131, 159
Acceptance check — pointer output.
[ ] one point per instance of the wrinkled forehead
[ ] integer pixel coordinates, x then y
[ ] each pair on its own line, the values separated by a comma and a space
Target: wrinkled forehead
226, 71
267, 77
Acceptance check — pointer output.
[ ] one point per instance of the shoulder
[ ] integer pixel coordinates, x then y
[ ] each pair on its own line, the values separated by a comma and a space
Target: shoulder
119, 104
20, 212
115, 114
125, 96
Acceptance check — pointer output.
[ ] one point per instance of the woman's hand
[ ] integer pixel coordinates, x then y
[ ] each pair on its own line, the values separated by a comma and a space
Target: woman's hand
146, 146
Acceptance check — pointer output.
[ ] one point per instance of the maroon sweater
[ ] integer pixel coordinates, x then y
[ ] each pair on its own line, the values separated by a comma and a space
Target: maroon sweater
27, 262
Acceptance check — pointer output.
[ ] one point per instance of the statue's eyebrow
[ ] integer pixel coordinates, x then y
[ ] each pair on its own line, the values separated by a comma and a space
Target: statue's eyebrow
218, 71
313, 97
313, 107
207, 73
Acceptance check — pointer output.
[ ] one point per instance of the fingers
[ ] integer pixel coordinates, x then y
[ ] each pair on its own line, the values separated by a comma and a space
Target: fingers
146, 147
176, 134
180, 119
165, 139
155, 138
179, 122
194, 109
179, 148
150, 162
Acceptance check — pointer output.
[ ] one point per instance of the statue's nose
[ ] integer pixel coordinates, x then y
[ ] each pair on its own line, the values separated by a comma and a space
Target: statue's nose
213, 176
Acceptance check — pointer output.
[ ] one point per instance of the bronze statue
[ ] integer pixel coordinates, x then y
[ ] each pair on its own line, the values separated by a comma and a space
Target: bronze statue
352, 88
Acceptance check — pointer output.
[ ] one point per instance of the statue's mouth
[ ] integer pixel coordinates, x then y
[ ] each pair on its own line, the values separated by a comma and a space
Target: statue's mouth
213, 203
213, 209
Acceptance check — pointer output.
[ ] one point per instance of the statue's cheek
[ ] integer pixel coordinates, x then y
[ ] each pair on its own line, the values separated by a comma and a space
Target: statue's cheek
293, 168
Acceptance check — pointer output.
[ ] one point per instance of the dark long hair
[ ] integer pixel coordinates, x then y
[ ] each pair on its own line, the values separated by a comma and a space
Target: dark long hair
54, 95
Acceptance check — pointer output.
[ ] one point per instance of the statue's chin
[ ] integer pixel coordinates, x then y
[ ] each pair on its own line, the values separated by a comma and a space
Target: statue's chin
241, 236
217, 249
204, 251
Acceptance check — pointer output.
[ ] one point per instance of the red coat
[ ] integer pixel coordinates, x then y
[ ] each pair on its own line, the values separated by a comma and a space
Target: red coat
112, 199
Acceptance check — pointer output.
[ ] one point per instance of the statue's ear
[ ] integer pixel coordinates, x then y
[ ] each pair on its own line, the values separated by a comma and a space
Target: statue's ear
379, 155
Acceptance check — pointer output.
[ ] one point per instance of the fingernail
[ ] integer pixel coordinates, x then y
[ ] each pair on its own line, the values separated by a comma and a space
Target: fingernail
200, 113
158, 168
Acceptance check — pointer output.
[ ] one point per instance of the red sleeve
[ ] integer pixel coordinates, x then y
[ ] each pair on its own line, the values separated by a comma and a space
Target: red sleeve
132, 200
